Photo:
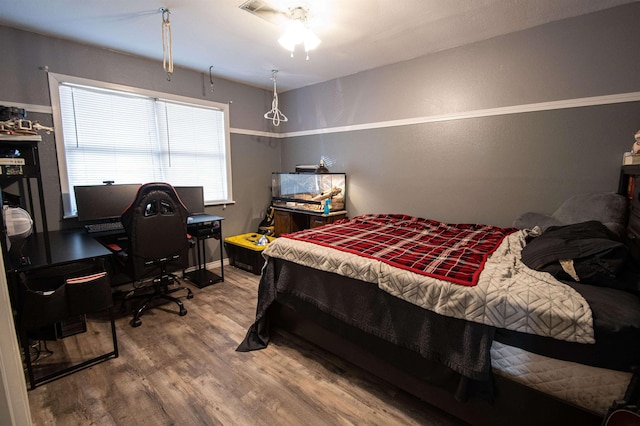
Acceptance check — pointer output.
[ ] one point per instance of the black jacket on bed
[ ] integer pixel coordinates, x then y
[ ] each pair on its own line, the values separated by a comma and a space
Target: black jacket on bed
596, 255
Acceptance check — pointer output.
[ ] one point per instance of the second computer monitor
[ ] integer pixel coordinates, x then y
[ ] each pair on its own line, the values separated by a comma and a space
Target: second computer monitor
192, 197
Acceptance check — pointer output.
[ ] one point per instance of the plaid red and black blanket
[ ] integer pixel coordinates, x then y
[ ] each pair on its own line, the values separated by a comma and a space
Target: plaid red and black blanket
450, 252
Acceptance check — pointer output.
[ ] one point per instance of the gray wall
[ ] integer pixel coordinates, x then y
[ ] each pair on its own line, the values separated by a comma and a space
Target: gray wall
253, 158
484, 169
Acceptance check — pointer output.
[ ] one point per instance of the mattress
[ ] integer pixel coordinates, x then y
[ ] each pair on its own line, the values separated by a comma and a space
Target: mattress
591, 388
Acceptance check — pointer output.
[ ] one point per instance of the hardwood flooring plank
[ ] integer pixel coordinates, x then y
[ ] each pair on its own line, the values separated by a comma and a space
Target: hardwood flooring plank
175, 370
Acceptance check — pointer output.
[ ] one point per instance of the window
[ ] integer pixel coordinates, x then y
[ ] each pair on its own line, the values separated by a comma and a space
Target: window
106, 132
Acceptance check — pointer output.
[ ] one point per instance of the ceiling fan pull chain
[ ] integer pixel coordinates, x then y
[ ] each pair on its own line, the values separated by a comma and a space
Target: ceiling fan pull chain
167, 44
275, 115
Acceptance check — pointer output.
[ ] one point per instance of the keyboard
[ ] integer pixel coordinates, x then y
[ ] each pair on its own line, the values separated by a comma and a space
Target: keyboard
104, 227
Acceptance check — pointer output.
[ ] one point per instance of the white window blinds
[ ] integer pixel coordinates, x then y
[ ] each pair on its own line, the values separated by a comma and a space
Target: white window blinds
112, 135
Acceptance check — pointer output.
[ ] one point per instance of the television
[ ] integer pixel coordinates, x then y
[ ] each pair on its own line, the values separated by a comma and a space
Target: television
103, 203
192, 197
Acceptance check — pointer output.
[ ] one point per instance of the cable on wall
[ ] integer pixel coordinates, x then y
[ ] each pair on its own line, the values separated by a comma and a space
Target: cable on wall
167, 43
211, 78
274, 114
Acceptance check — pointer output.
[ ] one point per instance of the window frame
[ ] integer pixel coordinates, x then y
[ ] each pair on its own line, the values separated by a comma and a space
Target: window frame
56, 79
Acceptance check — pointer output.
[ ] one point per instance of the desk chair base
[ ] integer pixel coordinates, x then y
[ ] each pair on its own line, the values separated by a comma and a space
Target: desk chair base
160, 291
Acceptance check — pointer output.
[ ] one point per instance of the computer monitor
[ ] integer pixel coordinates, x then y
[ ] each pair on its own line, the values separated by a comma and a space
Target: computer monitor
100, 203
192, 197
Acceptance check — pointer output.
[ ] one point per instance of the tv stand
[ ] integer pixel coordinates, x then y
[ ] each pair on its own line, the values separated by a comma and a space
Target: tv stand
291, 220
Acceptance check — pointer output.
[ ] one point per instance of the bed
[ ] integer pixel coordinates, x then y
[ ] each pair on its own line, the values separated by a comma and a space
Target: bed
451, 314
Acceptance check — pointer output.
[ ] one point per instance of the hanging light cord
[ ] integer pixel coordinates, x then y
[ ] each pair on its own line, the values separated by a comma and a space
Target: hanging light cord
167, 44
275, 115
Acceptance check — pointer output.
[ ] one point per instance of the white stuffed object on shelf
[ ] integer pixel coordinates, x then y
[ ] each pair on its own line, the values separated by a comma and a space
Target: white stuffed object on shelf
636, 145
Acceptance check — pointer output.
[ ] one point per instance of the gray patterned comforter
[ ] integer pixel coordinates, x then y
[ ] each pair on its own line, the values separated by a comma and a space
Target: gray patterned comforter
508, 294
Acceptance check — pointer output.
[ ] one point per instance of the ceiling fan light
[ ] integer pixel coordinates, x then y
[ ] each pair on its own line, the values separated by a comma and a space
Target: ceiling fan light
287, 42
311, 41
297, 32
294, 34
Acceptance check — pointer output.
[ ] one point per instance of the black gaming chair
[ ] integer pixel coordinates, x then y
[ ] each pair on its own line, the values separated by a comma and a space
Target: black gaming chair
156, 224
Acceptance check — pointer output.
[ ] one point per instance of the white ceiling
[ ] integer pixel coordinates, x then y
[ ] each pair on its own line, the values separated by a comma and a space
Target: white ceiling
356, 34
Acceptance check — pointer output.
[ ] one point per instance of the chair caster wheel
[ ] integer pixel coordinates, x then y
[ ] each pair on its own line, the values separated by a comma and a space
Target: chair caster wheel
190, 296
135, 323
183, 312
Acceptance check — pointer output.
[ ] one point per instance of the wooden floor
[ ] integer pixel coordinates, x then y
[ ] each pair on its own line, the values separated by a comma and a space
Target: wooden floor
175, 370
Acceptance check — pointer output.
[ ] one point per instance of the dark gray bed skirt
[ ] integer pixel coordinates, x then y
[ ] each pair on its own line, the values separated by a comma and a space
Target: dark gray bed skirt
452, 353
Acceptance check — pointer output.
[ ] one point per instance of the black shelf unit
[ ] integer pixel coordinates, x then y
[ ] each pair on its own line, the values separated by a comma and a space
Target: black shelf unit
23, 177
31, 260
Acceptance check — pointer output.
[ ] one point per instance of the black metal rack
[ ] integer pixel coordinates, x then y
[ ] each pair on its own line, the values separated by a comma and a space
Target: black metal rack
22, 174
47, 306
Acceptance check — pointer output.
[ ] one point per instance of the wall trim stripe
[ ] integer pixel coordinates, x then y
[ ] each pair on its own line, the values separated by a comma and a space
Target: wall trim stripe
480, 113
490, 112
249, 132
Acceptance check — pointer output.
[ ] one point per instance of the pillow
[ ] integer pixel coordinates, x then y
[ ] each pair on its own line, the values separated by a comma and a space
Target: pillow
530, 220
609, 208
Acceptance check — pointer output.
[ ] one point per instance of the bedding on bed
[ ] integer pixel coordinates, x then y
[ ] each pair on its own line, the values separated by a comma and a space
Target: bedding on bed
587, 257
507, 295
452, 252
512, 312
616, 324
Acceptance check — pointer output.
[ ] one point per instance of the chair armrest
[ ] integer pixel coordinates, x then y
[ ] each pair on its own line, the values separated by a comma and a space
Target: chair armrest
114, 247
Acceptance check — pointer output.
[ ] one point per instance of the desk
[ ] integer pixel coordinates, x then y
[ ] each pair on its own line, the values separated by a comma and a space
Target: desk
30, 260
66, 247
33, 253
203, 227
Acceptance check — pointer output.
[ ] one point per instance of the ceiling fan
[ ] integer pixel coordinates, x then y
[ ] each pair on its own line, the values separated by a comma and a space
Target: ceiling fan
290, 14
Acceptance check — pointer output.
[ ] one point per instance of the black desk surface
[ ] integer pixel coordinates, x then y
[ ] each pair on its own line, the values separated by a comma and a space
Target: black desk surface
203, 218
66, 246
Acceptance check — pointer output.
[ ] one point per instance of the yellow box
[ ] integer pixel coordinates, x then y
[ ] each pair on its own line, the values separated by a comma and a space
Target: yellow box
245, 253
